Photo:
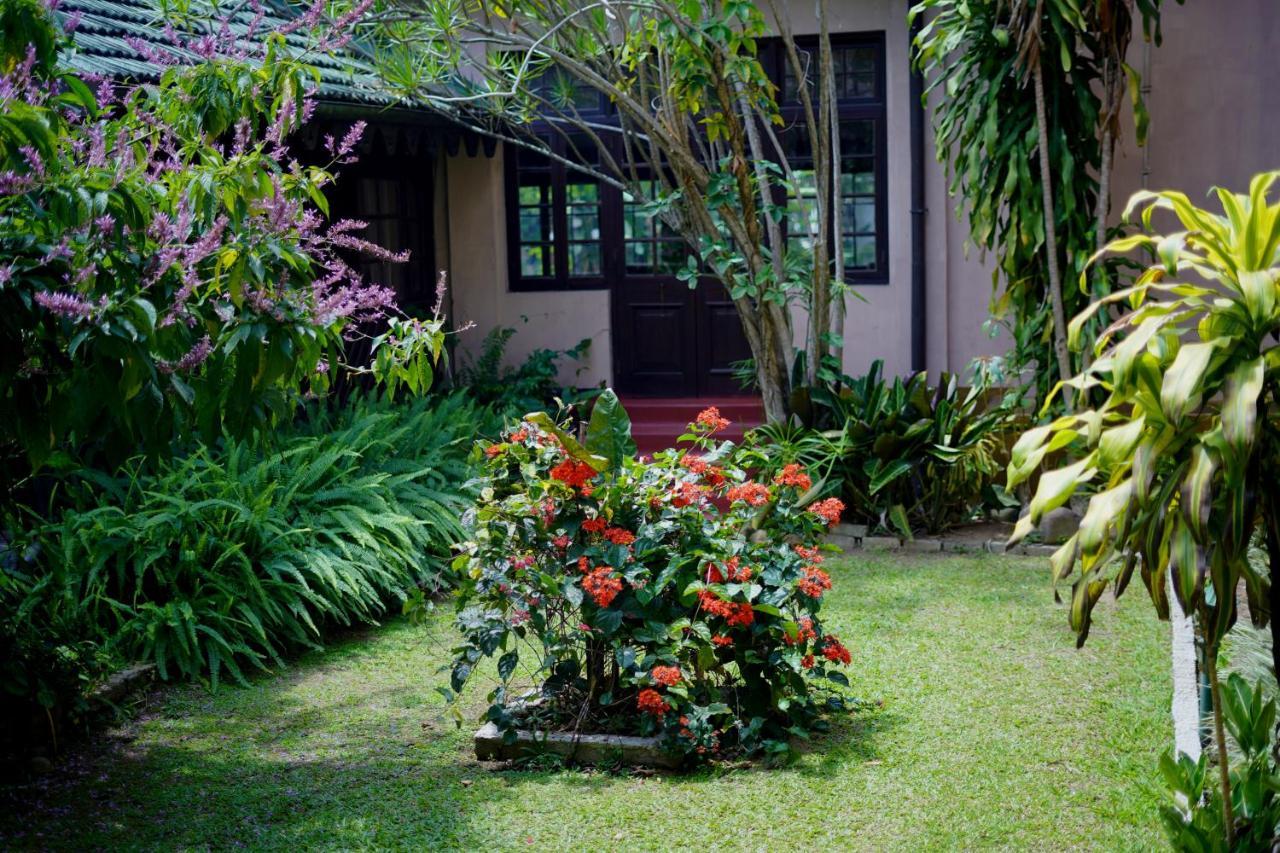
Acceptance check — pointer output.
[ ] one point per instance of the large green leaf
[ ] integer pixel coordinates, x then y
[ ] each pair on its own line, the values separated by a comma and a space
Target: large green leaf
570, 444
1181, 389
609, 430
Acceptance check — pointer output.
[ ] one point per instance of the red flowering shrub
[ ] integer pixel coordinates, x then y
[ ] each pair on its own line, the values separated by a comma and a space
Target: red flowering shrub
648, 609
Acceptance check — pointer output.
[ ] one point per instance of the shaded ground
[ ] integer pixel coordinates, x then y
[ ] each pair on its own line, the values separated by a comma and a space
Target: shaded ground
994, 732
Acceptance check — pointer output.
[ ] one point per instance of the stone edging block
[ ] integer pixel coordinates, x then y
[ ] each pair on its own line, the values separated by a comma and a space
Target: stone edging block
583, 748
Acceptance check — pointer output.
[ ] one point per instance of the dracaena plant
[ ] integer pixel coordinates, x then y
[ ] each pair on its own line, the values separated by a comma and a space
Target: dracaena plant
1180, 453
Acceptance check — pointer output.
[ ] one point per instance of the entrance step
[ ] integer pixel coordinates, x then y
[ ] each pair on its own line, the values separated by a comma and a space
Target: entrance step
656, 422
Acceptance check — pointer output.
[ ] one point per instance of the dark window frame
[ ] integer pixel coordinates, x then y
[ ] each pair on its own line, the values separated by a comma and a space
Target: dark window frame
613, 270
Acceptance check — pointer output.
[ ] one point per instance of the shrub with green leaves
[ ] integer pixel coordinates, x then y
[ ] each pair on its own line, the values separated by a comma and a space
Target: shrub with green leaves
1193, 813
230, 557
676, 596
904, 455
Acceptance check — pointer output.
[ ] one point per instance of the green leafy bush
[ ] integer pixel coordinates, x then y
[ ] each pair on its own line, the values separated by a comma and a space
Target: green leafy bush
533, 385
633, 603
165, 269
231, 556
903, 455
1193, 815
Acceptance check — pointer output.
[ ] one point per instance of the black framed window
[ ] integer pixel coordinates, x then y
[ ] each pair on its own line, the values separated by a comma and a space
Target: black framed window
649, 246
555, 218
566, 231
858, 63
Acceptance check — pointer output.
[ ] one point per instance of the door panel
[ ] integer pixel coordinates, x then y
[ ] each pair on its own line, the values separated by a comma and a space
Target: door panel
654, 326
671, 341
721, 342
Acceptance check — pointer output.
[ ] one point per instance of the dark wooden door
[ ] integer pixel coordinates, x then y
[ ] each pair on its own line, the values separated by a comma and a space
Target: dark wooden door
673, 341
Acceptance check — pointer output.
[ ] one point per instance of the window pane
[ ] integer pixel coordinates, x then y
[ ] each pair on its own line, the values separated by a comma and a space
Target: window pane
639, 257
860, 252
582, 193
535, 224
860, 217
536, 194
584, 259
584, 226
537, 260
857, 138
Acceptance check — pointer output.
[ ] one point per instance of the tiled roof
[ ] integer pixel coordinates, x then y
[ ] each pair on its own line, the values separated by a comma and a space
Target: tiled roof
106, 27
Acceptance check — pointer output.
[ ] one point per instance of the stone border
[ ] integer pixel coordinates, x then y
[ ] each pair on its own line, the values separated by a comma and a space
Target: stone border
583, 748
853, 537
123, 683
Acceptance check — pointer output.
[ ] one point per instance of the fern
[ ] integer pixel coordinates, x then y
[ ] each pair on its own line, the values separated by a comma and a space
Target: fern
228, 558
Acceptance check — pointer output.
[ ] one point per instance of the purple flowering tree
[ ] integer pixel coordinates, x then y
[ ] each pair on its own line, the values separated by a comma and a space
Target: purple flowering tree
165, 267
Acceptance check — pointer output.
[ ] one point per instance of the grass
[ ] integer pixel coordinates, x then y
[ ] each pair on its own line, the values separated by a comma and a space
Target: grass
994, 732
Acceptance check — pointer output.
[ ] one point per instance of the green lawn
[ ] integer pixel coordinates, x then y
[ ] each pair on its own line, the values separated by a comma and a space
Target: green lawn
994, 732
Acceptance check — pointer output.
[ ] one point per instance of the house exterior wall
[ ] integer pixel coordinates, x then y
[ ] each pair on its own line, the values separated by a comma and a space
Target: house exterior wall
1209, 59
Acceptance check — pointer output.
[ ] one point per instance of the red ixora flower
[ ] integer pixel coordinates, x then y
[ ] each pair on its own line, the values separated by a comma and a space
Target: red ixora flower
493, 450
667, 676
793, 475
519, 435
834, 651
736, 573
602, 586
594, 525
733, 612
562, 541
721, 640
710, 418
651, 702
804, 633
807, 662
685, 494
696, 464
754, 494
828, 510
573, 473
814, 582
619, 536
813, 555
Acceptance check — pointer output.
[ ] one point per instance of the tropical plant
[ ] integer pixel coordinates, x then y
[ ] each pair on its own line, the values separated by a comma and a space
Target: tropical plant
1027, 108
694, 135
511, 391
1182, 453
636, 604
1193, 814
902, 455
164, 268
231, 556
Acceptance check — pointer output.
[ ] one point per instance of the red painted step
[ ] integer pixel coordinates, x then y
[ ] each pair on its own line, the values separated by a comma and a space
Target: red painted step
656, 422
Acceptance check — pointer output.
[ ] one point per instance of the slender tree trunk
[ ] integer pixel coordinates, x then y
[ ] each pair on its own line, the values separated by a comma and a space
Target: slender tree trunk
1271, 526
1220, 738
774, 381
1186, 688
1051, 233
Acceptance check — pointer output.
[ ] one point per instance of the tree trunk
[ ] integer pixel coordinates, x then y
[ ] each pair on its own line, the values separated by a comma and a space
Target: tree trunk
1051, 234
1186, 686
773, 378
1220, 738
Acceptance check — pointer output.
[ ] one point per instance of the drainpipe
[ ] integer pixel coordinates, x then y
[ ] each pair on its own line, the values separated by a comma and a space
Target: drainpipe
919, 296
